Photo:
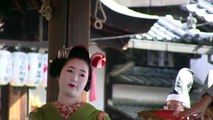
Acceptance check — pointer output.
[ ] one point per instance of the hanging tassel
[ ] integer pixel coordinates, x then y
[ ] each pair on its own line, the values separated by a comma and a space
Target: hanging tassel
98, 60
92, 96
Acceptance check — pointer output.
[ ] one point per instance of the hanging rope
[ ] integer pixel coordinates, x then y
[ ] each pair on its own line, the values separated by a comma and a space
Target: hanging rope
98, 24
46, 10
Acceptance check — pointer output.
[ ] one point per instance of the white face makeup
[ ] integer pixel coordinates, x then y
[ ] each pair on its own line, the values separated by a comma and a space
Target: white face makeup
73, 77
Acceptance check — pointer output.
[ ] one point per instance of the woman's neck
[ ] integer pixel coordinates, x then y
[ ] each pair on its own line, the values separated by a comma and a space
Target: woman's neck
67, 100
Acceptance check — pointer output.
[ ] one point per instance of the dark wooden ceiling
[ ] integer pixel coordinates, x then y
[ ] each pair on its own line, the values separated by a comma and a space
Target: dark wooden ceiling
21, 20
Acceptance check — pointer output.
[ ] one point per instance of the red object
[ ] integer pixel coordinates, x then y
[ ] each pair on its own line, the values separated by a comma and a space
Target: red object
159, 114
166, 114
45, 68
98, 60
92, 96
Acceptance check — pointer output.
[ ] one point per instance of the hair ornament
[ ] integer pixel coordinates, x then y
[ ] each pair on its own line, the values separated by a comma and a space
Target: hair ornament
98, 60
64, 53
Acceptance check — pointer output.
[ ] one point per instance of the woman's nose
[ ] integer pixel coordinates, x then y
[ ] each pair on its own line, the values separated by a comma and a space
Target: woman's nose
75, 77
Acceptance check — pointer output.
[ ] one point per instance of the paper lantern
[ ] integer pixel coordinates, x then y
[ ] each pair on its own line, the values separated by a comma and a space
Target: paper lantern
5, 67
20, 69
35, 69
45, 70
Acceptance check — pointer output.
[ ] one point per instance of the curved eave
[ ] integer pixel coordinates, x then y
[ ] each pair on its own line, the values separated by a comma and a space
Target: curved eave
124, 22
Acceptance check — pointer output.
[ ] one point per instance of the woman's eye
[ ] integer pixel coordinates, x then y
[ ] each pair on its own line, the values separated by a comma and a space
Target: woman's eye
70, 71
82, 75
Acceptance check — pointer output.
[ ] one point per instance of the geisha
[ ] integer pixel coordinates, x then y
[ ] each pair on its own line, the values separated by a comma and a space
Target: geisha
74, 74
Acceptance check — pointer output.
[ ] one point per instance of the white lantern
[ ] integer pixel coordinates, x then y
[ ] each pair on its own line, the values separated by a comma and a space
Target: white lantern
20, 69
35, 69
5, 67
45, 69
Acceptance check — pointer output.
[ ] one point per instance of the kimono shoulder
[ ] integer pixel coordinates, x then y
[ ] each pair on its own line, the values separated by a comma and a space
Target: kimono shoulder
46, 112
36, 114
89, 112
85, 112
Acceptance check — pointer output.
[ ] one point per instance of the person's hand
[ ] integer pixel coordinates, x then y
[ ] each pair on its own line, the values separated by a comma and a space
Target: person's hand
198, 109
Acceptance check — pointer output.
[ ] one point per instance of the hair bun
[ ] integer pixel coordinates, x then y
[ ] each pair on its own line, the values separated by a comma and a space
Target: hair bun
56, 67
98, 60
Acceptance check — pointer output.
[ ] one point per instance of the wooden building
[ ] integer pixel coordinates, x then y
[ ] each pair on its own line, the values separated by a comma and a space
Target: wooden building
70, 23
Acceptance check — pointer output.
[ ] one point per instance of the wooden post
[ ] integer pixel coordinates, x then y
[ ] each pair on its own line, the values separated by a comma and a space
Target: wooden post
55, 42
78, 33
79, 22
17, 103
4, 102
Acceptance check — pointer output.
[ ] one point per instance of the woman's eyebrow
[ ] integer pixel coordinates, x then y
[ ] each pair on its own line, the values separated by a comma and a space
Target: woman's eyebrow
83, 71
71, 67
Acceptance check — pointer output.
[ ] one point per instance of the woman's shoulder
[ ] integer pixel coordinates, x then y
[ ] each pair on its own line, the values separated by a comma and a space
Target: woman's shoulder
101, 115
38, 113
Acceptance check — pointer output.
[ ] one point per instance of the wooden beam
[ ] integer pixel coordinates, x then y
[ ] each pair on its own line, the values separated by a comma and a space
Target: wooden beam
17, 103
170, 46
78, 33
27, 44
4, 102
79, 25
55, 39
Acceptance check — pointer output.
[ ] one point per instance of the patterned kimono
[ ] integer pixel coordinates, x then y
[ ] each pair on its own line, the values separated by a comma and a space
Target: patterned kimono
57, 111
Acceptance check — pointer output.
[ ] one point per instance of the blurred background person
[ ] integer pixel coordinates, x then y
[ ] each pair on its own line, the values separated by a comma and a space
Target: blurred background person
203, 109
179, 99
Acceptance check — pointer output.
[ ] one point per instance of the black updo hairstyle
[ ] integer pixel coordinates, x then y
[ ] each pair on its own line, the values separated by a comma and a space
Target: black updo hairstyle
78, 51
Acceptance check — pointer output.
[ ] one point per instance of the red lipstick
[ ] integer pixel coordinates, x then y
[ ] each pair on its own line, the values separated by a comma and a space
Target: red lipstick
71, 85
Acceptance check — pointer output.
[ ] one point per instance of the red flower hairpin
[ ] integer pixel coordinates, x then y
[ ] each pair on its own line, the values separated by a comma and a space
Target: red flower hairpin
98, 60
